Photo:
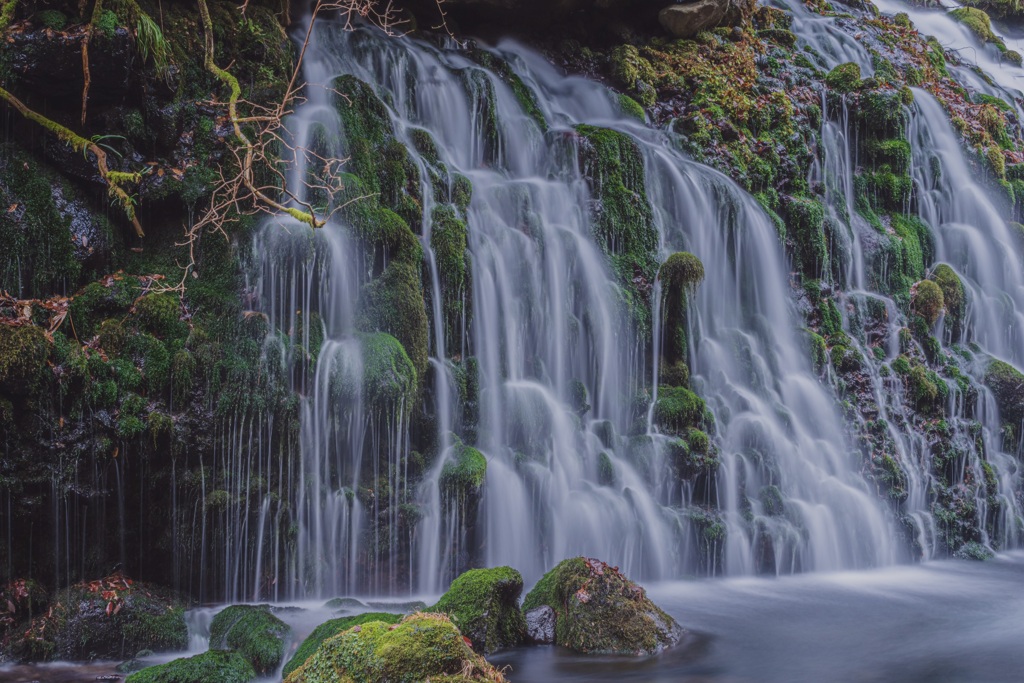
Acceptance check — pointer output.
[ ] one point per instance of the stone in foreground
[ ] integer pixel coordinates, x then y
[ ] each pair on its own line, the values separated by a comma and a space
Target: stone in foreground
329, 629
600, 611
421, 647
484, 604
254, 632
214, 666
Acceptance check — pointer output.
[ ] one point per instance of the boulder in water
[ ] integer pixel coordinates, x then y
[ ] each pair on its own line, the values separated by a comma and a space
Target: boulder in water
329, 629
110, 618
214, 666
600, 611
252, 631
421, 647
484, 604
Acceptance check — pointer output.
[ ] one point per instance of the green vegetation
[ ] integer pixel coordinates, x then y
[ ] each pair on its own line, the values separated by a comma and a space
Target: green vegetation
252, 631
928, 301
210, 667
1007, 383
463, 475
484, 604
598, 610
421, 647
845, 78
389, 378
329, 629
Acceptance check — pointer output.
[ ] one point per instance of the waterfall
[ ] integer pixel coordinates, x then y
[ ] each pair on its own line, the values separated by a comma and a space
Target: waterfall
561, 363
968, 233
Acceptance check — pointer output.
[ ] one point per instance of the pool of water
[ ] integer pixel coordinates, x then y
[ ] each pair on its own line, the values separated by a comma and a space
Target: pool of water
940, 622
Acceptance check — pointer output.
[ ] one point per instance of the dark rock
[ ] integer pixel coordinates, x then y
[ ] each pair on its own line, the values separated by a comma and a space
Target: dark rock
540, 625
50, 63
687, 20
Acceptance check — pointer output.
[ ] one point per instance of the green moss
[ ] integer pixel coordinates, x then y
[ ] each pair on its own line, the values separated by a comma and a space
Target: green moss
806, 227
1007, 384
598, 610
52, 19
979, 24
819, 351
210, 667
953, 295
463, 475
484, 604
329, 629
252, 631
680, 275
678, 409
23, 354
622, 219
634, 73
891, 152
393, 303
448, 241
419, 648
844, 78
928, 301
389, 377
631, 107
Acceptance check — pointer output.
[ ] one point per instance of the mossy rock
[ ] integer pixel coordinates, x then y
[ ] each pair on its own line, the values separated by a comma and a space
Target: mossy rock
484, 604
464, 474
634, 73
393, 303
600, 611
1007, 383
252, 631
111, 618
329, 629
978, 22
160, 315
214, 666
677, 409
844, 78
954, 296
421, 647
806, 225
389, 377
928, 301
23, 353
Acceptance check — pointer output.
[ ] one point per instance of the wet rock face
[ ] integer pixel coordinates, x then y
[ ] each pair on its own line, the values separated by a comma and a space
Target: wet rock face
540, 625
484, 604
49, 63
598, 610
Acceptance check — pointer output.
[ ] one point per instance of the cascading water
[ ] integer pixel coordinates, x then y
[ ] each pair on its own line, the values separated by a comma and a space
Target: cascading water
573, 464
969, 234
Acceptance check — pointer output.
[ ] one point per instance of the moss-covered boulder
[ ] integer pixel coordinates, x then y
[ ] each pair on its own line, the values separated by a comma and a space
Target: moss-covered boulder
677, 410
601, 611
1007, 383
214, 666
254, 632
389, 377
928, 301
953, 295
680, 275
421, 647
463, 475
329, 629
484, 604
110, 618
845, 78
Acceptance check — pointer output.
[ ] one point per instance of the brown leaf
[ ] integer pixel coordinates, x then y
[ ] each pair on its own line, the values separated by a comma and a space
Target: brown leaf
12, 208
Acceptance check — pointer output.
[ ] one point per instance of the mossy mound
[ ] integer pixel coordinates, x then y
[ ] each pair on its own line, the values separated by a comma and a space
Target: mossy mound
215, 666
1007, 383
329, 629
484, 603
680, 275
682, 270
600, 611
421, 647
111, 618
953, 294
252, 631
388, 375
677, 410
928, 301
464, 474
844, 78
